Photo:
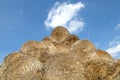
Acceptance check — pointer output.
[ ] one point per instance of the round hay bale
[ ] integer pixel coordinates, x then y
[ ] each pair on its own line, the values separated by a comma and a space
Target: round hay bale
62, 48
103, 55
34, 49
59, 34
62, 67
26, 68
84, 49
70, 40
12, 58
99, 69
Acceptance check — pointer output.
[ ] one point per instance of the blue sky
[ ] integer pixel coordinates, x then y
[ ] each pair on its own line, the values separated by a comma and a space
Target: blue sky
23, 20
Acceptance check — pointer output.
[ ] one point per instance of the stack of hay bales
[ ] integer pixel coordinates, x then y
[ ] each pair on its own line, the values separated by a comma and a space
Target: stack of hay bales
61, 56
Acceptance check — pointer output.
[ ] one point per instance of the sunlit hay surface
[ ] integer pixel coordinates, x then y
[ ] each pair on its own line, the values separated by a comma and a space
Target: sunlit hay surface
59, 34
62, 67
25, 69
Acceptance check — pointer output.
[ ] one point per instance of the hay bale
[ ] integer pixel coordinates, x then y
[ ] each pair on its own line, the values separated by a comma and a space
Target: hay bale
84, 49
70, 40
59, 34
34, 49
99, 69
26, 68
62, 67
12, 58
31, 48
62, 48
39, 50
103, 55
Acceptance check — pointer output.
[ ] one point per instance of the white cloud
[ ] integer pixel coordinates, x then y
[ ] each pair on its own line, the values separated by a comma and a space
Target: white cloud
66, 14
117, 27
115, 41
114, 48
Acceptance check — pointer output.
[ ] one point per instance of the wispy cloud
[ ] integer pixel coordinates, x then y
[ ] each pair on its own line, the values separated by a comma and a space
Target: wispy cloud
114, 48
117, 27
115, 41
66, 14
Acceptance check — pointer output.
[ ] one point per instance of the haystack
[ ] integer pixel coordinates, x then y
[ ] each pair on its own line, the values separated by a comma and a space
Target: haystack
60, 57
103, 55
100, 69
59, 34
40, 50
84, 49
70, 40
26, 68
62, 67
